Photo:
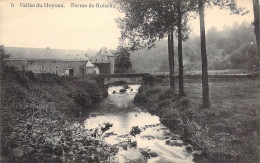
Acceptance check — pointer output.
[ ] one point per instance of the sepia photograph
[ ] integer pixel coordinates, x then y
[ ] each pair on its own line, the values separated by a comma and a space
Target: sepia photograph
129, 81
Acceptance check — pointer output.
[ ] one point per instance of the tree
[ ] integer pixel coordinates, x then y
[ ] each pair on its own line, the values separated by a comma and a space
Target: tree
147, 21
183, 7
180, 60
204, 61
257, 28
122, 62
171, 58
230, 4
3, 56
229, 48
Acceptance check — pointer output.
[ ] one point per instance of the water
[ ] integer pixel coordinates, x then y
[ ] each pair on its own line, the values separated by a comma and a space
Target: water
118, 109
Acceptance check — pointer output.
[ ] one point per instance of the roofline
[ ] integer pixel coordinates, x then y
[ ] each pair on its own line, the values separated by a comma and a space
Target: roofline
49, 48
94, 62
19, 59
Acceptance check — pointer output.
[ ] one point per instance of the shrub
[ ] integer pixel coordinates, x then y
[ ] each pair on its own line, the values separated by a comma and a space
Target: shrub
149, 80
83, 99
140, 98
153, 91
31, 75
49, 78
143, 89
165, 104
168, 95
171, 119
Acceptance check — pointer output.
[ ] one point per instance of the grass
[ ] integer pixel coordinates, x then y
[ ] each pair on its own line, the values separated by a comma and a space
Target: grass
232, 120
228, 131
36, 109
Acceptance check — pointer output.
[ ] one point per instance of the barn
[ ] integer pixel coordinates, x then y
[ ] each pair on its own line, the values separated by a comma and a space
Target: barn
57, 61
46, 60
104, 61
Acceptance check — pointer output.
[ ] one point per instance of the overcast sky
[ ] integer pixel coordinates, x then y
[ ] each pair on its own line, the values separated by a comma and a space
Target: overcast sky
80, 28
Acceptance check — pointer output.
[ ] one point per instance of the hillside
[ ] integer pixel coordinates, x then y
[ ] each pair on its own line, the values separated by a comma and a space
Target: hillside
230, 48
37, 113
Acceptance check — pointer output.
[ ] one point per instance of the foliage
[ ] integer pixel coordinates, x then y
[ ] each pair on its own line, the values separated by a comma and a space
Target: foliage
257, 27
224, 132
34, 111
230, 48
3, 56
145, 22
122, 61
83, 100
149, 20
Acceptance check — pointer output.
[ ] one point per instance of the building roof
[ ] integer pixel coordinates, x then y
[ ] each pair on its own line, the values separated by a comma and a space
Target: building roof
104, 52
101, 56
20, 53
89, 65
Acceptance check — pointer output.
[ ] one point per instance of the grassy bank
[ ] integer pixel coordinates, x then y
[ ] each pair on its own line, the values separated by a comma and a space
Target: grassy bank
227, 132
36, 115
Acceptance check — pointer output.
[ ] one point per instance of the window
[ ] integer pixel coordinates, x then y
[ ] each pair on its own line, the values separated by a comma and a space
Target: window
43, 67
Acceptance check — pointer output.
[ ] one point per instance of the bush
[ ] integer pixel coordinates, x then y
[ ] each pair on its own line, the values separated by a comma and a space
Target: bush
143, 89
171, 119
83, 100
165, 104
140, 98
153, 91
48, 78
169, 94
31, 76
151, 80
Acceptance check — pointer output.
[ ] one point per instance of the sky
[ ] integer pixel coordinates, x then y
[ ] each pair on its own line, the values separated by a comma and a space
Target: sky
81, 28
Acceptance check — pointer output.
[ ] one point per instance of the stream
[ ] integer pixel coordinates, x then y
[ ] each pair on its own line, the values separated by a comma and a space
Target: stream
140, 136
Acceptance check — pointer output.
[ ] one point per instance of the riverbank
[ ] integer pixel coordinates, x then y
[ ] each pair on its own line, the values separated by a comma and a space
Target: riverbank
37, 113
228, 131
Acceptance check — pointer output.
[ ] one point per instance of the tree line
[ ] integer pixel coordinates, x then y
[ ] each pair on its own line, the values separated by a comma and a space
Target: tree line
231, 48
147, 21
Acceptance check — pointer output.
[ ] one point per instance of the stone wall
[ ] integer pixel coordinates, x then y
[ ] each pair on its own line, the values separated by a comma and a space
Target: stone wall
74, 68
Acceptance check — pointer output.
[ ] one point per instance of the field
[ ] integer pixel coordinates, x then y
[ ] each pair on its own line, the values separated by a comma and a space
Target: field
228, 131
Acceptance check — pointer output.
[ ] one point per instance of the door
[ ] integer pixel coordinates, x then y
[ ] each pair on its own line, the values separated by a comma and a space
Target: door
71, 72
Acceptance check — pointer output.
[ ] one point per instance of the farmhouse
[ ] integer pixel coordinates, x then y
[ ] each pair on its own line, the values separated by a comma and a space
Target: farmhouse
57, 61
104, 60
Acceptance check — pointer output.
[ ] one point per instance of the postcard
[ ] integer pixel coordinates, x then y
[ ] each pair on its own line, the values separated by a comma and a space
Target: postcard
153, 81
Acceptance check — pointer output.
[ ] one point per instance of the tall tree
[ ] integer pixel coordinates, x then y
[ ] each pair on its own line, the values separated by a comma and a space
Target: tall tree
122, 61
147, 21
204, 61
257, 28
229, 4
180, 60
183, 7
171, 58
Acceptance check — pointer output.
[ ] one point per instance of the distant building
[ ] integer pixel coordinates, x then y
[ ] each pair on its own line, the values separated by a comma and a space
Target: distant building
104, 60
90, 68
57, 61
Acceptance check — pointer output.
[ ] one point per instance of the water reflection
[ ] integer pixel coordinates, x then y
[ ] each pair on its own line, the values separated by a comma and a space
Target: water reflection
118, 109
